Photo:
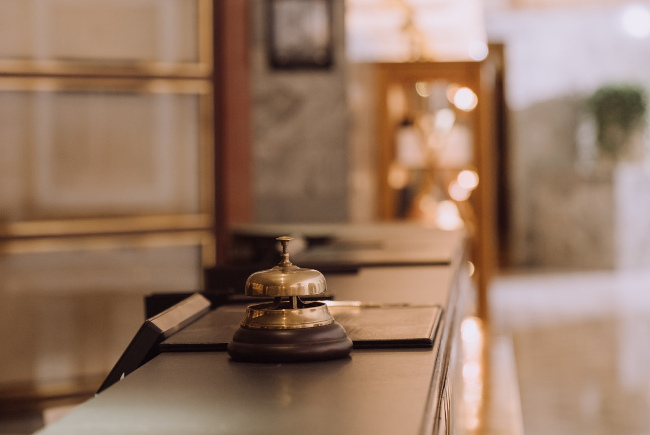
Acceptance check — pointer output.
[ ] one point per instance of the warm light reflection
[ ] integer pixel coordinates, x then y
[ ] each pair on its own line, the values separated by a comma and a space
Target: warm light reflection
444, 120
457, 192
465, 99
468, 179
423, 89
428, 207
443, 214
451, 91
412, 30
447, 216
472, 337
470, 268
471, 371
471, 331
635, 20
461, 188
398, 177
396, 101
478, 50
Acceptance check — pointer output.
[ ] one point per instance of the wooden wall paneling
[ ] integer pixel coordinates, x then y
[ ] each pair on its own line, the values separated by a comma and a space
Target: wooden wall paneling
72, 267
64, 38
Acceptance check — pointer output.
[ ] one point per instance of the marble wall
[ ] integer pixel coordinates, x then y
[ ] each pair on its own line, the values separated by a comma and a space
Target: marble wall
563, 217
631, 213
307, 168
300, 132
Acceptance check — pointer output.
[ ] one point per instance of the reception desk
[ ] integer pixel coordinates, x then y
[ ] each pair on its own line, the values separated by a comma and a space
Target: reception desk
400, 390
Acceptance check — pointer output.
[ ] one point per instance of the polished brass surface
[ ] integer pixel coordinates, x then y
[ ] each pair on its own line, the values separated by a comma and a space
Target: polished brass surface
285, 279
286, 283
288, 329
284, 316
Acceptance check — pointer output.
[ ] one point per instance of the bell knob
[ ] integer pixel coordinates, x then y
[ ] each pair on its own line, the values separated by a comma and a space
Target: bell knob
285, 279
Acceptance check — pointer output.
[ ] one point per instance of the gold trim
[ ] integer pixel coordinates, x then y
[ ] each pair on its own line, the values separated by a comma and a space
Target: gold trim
205, 36
94, 243
77, 227
266, 316
99, 84
207, 144
122, 69
207, 153
201, 88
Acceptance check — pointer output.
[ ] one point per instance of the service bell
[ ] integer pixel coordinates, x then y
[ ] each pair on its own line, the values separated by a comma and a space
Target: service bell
288, 329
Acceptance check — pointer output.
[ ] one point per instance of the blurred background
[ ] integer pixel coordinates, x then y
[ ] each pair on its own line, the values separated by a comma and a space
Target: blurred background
137, 136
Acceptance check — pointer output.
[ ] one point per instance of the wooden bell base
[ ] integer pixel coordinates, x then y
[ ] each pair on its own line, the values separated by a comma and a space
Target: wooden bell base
290, 345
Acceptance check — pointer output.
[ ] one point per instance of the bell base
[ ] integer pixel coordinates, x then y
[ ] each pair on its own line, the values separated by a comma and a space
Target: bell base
290, 345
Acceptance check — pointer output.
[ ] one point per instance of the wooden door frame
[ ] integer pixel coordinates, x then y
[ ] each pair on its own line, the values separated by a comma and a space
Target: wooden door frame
232, 108
478, 76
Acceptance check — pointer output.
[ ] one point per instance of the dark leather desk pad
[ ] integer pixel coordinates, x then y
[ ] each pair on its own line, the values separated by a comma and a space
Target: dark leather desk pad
368, 325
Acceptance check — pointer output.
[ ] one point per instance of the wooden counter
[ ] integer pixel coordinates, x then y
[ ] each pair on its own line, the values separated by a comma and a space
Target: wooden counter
374, 391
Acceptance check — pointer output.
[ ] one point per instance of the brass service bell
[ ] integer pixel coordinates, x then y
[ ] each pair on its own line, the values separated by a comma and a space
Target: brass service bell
288, 329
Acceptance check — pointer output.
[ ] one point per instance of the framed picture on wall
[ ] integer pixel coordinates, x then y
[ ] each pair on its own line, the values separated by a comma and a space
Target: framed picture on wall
300, 34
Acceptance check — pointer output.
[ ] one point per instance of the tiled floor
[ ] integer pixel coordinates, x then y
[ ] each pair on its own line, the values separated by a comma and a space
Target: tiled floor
581, 345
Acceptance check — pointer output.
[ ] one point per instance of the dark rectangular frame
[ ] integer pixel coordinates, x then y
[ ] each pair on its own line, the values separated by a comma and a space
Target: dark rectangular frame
300, 34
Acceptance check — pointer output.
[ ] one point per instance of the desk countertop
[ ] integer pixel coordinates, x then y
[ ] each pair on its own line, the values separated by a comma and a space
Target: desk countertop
371, 392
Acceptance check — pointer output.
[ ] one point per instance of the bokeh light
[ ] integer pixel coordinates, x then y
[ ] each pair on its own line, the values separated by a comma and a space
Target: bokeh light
457, 192
465, 99
468, 179
478, 50
635, 20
